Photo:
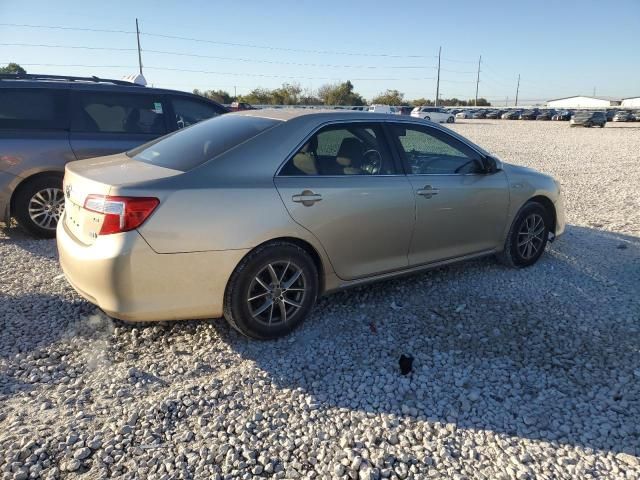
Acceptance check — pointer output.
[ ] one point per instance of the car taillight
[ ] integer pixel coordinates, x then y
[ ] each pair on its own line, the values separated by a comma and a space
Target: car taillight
121, 214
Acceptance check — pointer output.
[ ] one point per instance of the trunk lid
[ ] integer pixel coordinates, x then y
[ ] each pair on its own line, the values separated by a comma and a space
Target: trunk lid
100, 176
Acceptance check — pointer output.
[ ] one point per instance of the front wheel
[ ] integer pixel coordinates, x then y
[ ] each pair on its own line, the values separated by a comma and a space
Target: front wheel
427, 118
39, 204
527, 237
450, 120
271, 291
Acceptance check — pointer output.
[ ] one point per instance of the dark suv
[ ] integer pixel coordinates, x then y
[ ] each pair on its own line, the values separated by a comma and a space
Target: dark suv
47, 121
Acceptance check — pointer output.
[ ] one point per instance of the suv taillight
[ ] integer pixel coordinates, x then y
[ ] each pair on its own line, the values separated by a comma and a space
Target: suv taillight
121, 214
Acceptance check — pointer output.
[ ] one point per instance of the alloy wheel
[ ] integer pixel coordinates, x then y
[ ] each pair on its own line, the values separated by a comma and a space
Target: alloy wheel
531, 236
277, 293
46, 207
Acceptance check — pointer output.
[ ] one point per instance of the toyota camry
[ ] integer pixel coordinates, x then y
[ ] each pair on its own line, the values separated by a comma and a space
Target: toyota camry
253, 215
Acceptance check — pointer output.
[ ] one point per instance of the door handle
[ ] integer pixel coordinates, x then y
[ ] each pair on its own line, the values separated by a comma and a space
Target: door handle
307, 198
428, 191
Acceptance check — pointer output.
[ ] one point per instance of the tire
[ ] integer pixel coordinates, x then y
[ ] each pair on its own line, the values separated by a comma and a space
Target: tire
427, 118
38, 205
520, 256
450, 120
252, 278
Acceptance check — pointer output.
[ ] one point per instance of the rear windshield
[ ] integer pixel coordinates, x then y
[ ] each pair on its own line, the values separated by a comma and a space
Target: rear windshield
193, 146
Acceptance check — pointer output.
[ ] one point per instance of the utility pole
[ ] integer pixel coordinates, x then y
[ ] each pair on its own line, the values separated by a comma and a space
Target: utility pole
478, 80
594, 91
517, 90
139, 52
235, 93
438, 81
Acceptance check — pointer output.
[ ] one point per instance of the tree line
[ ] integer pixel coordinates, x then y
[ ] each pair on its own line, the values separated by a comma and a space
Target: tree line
293, 94
329, 94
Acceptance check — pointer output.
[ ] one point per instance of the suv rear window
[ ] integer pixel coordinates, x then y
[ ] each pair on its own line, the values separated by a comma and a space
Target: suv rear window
193, 146
113, 112
34, 109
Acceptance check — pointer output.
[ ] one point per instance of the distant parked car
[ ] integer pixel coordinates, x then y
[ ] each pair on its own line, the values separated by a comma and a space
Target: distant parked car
381, 109
494, 114
623, 116
589, 119
464, 114
529, 114
546, 115
49, 120
237, 106
404, 110
479, 114
562, 116
610, 114
435, 114
512, 115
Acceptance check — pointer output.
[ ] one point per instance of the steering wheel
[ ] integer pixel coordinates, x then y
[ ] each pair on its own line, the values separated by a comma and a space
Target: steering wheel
372, 162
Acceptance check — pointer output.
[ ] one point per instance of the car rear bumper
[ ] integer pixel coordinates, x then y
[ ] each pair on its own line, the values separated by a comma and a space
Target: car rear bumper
123, 276
561, 221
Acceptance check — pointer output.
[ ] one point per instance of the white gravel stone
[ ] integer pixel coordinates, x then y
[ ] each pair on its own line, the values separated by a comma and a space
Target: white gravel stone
527, 373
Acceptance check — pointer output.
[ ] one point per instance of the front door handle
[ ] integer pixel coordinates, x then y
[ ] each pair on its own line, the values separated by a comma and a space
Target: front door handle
307, 198
428, 191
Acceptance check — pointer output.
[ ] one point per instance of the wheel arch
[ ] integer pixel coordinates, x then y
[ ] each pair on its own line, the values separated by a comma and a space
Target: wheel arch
26, 180
307, 247
549, 207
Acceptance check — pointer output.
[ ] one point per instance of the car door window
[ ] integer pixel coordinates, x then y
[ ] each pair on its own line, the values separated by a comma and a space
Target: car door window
189, 111
428, 151
33, 108
112, 112
350, 149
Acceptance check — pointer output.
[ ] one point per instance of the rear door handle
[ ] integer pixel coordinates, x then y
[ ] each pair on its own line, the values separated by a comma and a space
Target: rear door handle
428, 191
307, 198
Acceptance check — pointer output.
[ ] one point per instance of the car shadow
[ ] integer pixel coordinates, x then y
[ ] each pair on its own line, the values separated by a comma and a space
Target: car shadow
547, 353
490, 353
15, 235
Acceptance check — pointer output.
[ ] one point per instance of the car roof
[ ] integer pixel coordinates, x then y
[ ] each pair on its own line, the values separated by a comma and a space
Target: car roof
287, 114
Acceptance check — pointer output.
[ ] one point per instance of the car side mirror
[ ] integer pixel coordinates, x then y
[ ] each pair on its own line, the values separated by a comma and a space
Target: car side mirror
492, 164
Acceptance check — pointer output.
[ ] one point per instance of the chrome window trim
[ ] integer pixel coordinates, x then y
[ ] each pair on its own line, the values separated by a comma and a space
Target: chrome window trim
320, 127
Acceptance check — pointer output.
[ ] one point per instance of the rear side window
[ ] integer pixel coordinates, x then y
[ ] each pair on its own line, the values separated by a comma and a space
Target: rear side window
193, 146
189, 111
33, 109
112, 112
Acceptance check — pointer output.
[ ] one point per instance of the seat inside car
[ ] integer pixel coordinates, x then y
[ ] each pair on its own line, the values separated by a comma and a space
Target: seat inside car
305, 160
349, 157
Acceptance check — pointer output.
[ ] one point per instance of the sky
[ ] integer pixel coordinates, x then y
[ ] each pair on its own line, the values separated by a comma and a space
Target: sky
559, 48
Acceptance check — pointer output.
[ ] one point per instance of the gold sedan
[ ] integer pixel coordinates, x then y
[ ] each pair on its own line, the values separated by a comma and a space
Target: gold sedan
253, 215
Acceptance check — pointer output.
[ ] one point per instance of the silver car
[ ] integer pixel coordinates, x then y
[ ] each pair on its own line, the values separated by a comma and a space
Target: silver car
253, 215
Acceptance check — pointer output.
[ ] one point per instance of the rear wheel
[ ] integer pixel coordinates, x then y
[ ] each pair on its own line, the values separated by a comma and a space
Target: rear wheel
39, 204
527, 236
272, 291
450, 120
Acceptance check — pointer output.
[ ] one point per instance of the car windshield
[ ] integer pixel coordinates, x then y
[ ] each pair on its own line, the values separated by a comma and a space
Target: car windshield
203, 141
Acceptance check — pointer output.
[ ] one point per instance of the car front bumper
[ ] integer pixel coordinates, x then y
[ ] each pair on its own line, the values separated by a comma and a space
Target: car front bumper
122, 275
561, 221
7, 185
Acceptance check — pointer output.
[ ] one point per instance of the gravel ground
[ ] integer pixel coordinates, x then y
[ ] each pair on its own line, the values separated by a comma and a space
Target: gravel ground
517, 374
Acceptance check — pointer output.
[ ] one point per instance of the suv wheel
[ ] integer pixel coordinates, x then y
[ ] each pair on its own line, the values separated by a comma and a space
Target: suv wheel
271, 291
527, 236
39, 204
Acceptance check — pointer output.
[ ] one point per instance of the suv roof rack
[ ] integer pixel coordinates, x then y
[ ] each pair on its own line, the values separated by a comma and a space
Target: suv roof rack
94, 79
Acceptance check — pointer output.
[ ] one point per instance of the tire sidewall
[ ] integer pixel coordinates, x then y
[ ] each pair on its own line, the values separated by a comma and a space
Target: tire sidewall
236, 308
23, 197
512, 241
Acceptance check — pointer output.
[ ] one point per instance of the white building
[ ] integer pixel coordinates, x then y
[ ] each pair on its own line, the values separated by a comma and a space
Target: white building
582, 102
631, 102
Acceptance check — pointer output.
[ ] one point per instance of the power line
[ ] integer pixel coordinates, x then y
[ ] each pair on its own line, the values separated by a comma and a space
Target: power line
215, 57
237, 74
219, 42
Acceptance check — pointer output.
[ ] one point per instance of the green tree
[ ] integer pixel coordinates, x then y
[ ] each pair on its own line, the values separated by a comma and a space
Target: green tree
220, 96
340, 94
13, 68
421, 102
389, 97
257, 96
288, 94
